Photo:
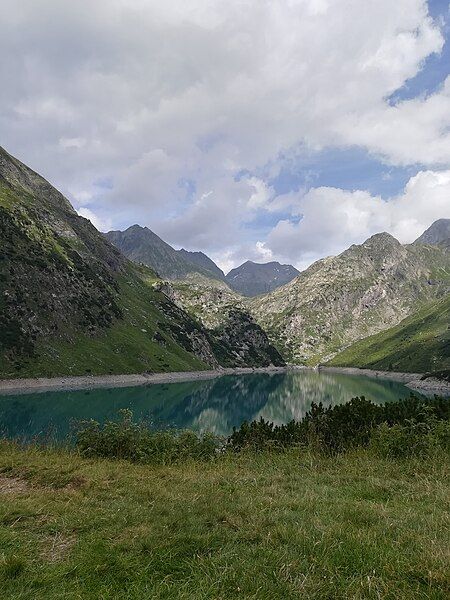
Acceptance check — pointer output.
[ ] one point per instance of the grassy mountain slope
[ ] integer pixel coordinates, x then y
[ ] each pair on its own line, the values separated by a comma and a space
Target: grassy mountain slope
418, 344
141, 245
70, 303
339, 300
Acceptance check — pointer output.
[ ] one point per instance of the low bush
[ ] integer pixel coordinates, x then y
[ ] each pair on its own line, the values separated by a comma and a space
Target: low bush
410, 427
339, 428
413, 439
125, 439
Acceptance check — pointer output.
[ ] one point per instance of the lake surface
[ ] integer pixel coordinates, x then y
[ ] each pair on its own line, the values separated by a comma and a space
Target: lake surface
214, 405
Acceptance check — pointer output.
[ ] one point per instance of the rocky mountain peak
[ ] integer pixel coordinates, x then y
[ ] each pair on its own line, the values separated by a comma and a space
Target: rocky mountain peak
253, 279
17, 175
382, 240
142, 245
438, 232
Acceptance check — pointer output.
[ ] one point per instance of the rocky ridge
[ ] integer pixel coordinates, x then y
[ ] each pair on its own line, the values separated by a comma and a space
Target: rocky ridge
438, 232
241, 341
341, 299
141, 245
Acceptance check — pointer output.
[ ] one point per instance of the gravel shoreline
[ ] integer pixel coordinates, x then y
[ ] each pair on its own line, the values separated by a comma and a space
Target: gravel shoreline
411, 380
45, 384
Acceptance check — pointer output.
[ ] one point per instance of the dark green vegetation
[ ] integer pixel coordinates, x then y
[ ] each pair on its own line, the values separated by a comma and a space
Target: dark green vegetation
125, 439
418, 344
253, 279
423, 425
266, 525
340, 428
141, 245
70, 303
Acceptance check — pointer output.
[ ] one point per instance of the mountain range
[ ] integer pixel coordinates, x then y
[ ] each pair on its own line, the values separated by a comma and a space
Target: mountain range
71, 303
142, 245
75, 301
341, 299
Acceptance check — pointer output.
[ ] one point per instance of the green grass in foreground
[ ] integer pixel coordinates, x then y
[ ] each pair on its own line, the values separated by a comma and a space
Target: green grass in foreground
252, 525
418, 344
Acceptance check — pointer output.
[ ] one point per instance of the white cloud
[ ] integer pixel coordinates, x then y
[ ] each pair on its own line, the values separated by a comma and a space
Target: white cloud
261, 196
333, 218
72, 142
100, 223
152, 94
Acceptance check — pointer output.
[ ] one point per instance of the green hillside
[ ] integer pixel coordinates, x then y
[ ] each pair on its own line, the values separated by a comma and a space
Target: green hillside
70, 303
420, 343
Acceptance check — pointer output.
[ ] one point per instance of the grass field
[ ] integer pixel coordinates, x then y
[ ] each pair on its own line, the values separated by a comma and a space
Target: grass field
264, 526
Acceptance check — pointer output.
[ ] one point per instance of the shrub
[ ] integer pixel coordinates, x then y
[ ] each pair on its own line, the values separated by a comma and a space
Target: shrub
125, 439
419, 439
338, 428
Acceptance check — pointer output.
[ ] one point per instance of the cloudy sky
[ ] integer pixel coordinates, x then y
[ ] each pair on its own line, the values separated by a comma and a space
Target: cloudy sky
260, 129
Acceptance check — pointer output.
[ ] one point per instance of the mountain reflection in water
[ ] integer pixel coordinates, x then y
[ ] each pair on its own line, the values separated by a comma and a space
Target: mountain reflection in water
214, 405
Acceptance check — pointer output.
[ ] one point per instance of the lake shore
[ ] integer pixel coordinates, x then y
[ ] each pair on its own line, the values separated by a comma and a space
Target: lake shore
45, 384
414, 381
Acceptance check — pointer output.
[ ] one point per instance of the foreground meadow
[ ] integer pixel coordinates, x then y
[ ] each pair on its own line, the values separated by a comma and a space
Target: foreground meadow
292, 524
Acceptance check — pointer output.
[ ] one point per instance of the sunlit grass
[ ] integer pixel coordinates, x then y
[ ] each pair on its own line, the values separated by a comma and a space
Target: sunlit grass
268, 525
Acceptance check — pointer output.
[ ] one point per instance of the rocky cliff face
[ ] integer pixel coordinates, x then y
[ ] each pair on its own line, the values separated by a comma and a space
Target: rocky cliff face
141, 245
341, 299
438, 232
253, 279
51, 281
235, 336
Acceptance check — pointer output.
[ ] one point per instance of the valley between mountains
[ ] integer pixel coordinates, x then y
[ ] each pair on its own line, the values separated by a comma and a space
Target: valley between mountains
74, 301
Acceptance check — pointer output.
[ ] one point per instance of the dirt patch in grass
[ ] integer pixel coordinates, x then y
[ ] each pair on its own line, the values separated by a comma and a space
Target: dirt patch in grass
13, 485
77, 482
57, 547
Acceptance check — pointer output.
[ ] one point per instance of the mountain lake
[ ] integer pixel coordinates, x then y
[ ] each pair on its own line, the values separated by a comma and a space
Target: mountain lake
215, 405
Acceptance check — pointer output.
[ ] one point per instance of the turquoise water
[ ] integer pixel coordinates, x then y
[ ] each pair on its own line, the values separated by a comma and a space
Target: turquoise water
214, 405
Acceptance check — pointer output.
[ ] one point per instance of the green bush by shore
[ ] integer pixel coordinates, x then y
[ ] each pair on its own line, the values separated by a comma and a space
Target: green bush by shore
329, 430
